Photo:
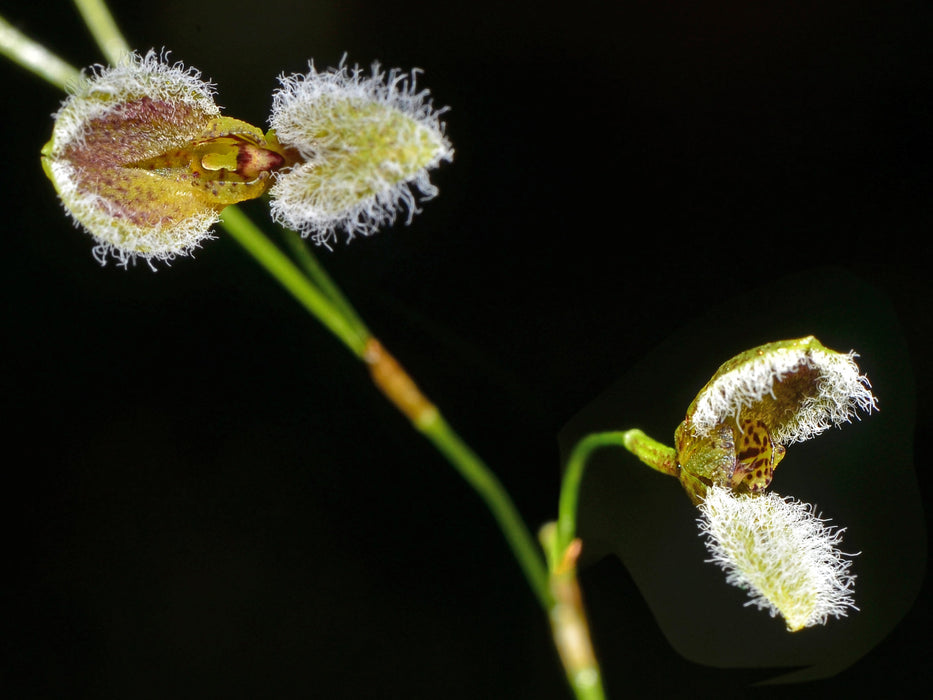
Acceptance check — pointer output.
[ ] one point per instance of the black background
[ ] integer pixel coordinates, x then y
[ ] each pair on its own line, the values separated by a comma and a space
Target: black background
203, 495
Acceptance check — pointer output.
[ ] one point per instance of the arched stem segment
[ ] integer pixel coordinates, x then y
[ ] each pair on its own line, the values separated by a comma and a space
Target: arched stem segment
657, 456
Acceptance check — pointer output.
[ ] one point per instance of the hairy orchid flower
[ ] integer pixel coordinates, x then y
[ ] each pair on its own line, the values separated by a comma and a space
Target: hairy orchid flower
733, 437
141, 158
728, 446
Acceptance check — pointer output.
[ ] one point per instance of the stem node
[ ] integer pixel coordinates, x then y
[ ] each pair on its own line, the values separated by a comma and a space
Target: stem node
397, 385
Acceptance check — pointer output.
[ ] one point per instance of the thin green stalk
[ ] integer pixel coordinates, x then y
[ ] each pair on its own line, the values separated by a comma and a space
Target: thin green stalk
290, 276
426, 418
651, 452
104, 29
490, 489
570, 485
562, 548
317, 274
35, 58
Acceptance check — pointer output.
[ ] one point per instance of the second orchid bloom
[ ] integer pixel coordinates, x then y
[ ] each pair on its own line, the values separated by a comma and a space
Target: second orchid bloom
726, 451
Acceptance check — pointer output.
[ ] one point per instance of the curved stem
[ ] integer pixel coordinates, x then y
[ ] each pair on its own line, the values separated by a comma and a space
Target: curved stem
290, 276
654, 454
104, 29
35, 58
570, 486
562, 547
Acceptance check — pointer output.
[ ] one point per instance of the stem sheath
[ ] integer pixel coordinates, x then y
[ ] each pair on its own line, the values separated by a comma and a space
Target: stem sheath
569, 627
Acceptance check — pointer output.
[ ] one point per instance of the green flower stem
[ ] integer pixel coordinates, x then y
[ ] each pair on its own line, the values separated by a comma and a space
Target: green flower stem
497, 499
104, 29
651, 452
317, 274
247, 234
570, 489
399, 388
562, 549
35, 58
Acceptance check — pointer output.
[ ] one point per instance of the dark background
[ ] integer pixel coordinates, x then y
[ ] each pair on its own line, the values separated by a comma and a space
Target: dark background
203, 495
